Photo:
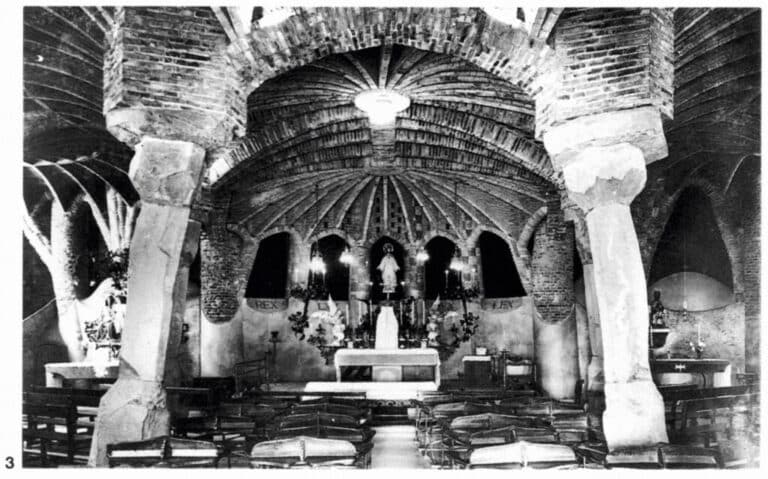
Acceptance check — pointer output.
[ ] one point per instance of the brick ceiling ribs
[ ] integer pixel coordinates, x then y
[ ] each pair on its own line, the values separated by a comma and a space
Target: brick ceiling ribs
63, 57
402, 203
717, 93
470, 79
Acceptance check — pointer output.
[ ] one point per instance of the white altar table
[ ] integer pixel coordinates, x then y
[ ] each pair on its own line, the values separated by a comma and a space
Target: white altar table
57, 373
387, 364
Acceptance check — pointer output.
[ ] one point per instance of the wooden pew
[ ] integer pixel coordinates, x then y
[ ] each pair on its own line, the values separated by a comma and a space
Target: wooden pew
718, 422
673, 398
164, 451
51, 421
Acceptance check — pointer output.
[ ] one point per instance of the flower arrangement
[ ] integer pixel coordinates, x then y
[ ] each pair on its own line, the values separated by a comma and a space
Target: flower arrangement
697, 347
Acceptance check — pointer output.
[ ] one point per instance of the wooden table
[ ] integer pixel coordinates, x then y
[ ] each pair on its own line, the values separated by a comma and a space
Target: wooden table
714, 372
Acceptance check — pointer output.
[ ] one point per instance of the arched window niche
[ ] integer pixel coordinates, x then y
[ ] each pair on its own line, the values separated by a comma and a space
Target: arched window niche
269, 274
336, 278
691, 266
376, 254
439, 279
500, 278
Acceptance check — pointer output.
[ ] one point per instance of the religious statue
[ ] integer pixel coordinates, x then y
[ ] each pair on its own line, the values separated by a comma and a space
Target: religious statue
657, 311
389, 268
433, 330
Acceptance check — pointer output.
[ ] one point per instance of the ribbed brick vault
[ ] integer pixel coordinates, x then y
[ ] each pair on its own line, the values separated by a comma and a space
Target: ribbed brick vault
464, 126
716, 92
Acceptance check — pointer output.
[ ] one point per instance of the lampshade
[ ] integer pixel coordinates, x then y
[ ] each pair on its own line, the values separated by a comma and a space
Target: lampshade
422, 256
381, 105
316, 265
456, 263
275, 16
346, 257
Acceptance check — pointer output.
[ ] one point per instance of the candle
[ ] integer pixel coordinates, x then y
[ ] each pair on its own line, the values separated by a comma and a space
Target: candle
413, 312
349, 320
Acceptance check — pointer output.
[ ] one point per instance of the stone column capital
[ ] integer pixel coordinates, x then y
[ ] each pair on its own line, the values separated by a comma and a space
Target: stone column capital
167, 172
604, 175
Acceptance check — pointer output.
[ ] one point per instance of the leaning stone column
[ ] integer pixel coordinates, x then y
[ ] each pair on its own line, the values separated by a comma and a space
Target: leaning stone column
602, 181
166, 174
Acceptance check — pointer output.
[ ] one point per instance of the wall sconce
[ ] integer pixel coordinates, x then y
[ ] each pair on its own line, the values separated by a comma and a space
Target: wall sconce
316, 265
422, 256
347, 258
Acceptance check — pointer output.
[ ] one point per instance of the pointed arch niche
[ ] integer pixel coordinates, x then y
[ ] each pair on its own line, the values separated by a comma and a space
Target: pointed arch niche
269, 274
499, 273
336, 272
436, 281
376, 254
691, 261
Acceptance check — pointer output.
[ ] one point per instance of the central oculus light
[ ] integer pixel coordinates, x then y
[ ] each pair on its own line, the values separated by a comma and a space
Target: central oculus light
381, 105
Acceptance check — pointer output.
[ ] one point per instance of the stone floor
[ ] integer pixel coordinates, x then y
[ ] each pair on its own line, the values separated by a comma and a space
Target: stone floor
394, 447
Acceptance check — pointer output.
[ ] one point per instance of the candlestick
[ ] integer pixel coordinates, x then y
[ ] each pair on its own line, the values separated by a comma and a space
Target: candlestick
347, 317
413, 313
698, 333
423, 312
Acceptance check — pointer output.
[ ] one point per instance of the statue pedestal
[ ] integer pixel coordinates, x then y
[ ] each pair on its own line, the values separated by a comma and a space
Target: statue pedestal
387, 329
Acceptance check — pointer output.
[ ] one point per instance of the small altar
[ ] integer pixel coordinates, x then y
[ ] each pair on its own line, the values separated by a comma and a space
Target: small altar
715, 373
60, 374
392, 365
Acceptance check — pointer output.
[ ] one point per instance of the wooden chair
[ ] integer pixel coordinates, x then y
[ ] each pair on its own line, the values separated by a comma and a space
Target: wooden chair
524, 455
729, 423
164, 451
308, 452
53, 427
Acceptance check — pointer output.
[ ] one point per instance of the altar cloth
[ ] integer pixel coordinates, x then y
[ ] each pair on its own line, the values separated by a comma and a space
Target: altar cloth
386, 329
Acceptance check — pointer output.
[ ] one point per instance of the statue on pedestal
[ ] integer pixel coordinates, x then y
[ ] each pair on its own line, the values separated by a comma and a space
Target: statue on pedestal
389, 268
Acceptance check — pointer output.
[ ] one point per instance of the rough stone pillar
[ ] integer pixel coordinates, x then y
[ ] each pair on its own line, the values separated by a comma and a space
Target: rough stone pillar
602, 181
594, 377
166, 174
64, 278
555, 342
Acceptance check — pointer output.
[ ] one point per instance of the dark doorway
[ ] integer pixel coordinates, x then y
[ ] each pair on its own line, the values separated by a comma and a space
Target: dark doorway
269, 275
376, 254
500, 277
438, 277
336, 272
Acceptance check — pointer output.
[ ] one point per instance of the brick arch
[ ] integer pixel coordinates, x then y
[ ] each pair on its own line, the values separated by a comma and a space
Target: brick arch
466, 33
523, 268
433, 233
330, 232
718, 207
251, 248
527, 233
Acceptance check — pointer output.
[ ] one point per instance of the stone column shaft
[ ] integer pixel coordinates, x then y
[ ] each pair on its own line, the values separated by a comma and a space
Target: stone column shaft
166, 175
602, 181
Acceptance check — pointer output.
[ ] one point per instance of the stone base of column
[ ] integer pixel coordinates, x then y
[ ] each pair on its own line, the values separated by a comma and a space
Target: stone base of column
132, 410
634, 415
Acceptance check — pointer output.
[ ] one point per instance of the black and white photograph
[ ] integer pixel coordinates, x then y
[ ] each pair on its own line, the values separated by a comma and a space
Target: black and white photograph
332, 236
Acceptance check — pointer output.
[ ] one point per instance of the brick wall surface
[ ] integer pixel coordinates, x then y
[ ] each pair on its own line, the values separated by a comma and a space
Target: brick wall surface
608, 60
173, 59
552, 265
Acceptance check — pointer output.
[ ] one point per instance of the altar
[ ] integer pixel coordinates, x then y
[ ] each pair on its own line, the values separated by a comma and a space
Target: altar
62, 374
392, 365
712, 372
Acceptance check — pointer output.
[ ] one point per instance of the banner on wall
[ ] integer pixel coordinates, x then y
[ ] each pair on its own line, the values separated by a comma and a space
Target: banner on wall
267, 304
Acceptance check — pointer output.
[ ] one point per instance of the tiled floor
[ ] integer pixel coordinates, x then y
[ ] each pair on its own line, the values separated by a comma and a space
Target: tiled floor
395, 447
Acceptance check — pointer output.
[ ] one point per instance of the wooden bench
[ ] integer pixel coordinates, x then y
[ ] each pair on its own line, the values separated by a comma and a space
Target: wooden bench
719, 422
673, 399
53, 426
164, 451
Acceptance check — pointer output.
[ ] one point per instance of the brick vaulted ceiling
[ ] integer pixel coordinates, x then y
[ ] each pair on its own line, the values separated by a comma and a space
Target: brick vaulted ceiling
63, 69
455, 65
466, 130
